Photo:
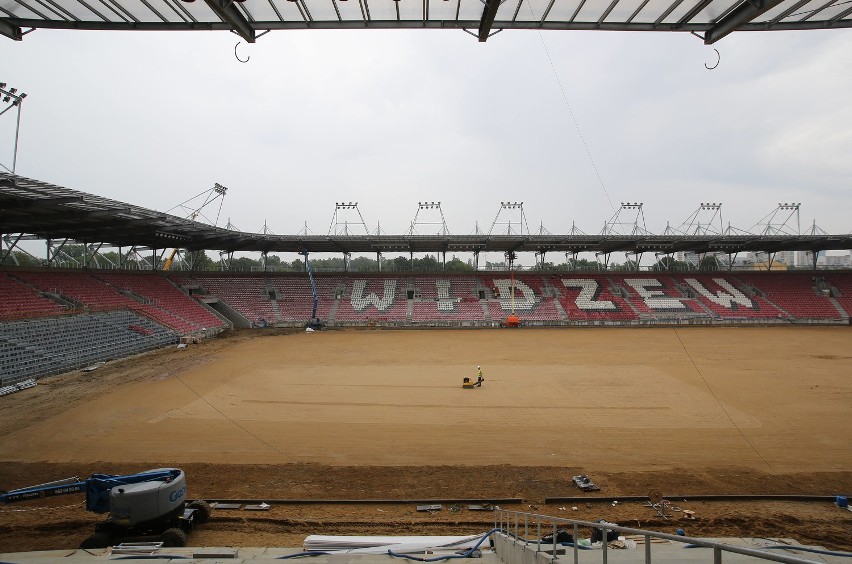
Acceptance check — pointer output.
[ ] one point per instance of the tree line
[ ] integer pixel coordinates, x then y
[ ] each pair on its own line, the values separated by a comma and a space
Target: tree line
72, 256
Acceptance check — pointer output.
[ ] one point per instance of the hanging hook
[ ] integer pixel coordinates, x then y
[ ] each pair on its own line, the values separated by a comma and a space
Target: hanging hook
718, 60
237, 56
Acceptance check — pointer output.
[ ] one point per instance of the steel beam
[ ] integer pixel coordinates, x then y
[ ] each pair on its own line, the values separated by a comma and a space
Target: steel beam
10, 31
489, 12
229, 14
740, 16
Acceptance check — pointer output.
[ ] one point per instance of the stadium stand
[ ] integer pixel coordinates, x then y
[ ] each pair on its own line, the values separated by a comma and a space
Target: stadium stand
372, 299
611, 298
727, 298
791, 298
87, 291
656, 297
247, 295
295, 299
590, 298
840, 285
163, 294
37, 347
18, 299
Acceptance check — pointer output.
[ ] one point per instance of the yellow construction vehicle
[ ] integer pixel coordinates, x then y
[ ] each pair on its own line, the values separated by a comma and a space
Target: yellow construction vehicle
469, 384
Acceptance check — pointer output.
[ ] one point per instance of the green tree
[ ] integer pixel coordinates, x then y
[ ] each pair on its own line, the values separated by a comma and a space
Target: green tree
669, 263
709, 263
458, 265
427, 264
398, 264
22, 258
363, 264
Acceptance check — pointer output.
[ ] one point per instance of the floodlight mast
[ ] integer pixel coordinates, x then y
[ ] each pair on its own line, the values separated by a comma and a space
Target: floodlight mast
342, 209
772, 223
11, 98
211, 195
511, 208
614, 227
442, 223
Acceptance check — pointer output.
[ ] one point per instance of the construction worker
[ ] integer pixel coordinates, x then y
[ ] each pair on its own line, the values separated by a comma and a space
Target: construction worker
479, 379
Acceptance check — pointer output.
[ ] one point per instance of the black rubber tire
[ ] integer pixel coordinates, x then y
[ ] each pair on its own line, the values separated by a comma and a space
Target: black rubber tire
173, 537
203, 510
97, 540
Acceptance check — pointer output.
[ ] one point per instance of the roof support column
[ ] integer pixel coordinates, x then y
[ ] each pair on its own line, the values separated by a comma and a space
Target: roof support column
743, 14
489, 12
11, 31
229, 14
8, 253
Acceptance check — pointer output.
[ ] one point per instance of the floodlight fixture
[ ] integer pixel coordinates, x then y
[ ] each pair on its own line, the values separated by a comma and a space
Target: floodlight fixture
12, 95
219, 189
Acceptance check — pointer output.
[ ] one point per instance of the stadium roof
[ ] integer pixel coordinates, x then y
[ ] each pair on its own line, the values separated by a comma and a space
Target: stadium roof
47, 211
482, 18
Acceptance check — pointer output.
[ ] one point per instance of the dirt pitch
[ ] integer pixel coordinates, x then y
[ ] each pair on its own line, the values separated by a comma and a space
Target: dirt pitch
363, 414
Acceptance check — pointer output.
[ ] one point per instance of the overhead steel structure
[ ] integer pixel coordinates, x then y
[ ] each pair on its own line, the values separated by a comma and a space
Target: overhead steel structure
33, 209
713, 19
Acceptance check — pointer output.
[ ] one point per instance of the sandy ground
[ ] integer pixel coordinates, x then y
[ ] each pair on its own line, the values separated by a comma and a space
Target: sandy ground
367, 414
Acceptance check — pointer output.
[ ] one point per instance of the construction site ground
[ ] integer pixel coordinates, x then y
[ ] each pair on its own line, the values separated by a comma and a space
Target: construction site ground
367, 414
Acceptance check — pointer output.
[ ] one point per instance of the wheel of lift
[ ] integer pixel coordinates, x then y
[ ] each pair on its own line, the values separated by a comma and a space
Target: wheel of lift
202, 510
173, 537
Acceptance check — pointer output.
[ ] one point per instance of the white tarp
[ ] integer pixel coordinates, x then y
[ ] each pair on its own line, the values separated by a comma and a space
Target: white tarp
380, 545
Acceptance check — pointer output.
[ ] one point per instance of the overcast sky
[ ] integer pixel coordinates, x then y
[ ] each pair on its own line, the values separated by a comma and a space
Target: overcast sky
388, 118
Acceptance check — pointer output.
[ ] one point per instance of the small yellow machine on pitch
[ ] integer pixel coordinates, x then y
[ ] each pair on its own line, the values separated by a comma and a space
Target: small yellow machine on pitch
469, 384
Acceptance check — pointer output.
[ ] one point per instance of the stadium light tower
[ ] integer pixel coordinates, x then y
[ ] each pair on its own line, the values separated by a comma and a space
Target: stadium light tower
10, 99
343, 211
437, 218
511, 209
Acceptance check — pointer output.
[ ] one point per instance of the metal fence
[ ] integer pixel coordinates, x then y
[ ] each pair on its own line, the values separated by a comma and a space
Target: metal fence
519, 526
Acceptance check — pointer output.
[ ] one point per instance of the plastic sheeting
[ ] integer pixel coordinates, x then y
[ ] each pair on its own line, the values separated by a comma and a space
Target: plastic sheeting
381, 544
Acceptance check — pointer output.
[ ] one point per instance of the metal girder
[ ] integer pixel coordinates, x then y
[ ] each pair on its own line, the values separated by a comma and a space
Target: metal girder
228, 13
10, 31
28, 204
489, 12
741, 15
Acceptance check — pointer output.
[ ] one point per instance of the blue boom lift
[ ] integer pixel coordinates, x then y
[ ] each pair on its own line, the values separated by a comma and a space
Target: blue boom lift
314, 322
140, 506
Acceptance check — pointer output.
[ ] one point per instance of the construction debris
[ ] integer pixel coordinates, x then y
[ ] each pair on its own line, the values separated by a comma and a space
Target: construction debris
585, 483
262, 507
137, 548
429, 508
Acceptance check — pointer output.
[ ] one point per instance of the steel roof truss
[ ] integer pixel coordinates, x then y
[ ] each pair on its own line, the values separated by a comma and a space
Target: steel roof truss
839, 16
489, 12
229, 14
741, 15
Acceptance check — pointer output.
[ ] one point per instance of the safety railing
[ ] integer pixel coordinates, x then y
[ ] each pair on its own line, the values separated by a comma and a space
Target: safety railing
519, 525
